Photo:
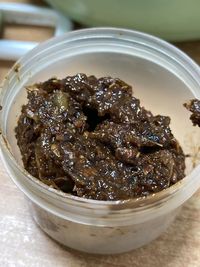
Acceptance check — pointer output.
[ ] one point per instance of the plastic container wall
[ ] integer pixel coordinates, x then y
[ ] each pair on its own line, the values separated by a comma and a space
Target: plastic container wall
162, 77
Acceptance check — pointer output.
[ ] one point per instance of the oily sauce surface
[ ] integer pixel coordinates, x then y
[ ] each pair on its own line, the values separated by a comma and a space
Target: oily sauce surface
194, 107
91, 137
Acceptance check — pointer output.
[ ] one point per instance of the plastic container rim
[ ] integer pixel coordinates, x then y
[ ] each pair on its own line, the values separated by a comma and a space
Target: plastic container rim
145, 202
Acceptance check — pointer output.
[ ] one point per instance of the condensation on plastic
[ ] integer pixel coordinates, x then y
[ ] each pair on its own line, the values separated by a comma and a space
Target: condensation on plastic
162, 77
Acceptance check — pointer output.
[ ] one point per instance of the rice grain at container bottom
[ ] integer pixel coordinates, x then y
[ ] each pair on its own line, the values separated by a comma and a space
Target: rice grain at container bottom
162, 77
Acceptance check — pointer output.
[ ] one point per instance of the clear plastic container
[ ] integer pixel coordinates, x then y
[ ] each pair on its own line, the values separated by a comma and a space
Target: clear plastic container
162, 77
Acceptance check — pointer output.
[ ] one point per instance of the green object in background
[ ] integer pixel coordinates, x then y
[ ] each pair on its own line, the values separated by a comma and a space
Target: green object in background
0, 22
173, 20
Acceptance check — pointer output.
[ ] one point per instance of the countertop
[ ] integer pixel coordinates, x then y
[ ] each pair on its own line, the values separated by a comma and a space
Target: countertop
22, 243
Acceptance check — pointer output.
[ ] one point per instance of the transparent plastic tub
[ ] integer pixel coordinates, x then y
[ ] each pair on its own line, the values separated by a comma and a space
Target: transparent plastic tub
162, 77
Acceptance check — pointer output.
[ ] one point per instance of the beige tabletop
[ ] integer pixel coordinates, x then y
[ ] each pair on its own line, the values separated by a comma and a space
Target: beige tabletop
22, 243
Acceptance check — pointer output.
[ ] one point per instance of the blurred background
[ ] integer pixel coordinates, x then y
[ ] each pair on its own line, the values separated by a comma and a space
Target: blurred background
174, 20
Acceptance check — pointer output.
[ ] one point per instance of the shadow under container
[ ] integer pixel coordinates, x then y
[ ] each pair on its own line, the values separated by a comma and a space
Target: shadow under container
162, 77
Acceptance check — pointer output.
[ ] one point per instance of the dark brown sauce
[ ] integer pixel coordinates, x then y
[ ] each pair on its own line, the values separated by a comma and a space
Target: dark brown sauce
91, 137
194, 107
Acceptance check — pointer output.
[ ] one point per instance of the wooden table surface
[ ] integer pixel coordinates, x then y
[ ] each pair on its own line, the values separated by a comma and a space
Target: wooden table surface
22, 243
